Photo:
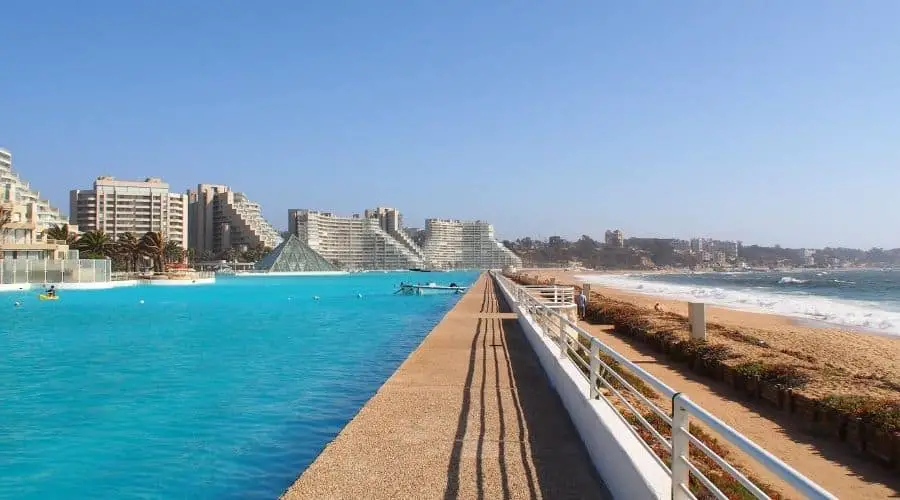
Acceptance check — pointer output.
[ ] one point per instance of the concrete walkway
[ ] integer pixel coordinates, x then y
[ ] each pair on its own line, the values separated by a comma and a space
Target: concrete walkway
469, 414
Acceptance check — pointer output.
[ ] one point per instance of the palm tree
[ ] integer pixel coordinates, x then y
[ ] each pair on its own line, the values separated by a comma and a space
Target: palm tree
191, 255
207, 255
228, 255
173, 252
129, 248
255, 253
61, 233
153, 245
94, 244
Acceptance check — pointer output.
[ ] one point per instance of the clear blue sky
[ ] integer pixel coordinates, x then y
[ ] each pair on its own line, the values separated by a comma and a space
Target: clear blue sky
762, 121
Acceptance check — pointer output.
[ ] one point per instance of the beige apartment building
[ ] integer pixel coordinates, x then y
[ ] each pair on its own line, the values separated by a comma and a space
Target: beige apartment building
30, 215
220, 219
355, 242
456, 244
117, 207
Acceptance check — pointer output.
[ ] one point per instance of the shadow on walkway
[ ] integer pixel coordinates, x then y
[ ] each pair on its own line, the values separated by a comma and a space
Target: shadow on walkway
536, 452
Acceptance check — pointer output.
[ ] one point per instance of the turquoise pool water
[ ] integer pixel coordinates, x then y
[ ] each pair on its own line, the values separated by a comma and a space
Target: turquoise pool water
221, 391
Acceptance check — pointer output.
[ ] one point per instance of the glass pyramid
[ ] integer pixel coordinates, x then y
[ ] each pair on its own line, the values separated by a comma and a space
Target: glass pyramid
294, 256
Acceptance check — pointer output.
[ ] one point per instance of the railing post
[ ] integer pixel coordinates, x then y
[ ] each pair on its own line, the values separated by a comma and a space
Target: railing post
563, 345
681, 475
595, 368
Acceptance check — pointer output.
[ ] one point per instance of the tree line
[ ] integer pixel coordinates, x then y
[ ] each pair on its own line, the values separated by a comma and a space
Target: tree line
129, 250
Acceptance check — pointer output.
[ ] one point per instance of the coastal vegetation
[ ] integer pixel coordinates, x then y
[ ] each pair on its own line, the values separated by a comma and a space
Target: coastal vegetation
859, 409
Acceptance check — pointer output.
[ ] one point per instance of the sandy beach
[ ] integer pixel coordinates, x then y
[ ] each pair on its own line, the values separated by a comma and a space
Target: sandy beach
843, 355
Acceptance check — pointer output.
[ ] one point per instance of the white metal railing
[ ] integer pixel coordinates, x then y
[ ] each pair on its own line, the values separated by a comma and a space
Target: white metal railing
592, 357
552, 295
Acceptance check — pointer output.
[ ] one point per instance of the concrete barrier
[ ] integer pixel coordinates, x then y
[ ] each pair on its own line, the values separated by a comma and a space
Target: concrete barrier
697, 319
627, 467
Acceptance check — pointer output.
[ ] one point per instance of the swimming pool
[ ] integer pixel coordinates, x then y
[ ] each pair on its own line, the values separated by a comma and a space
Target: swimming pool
227, 390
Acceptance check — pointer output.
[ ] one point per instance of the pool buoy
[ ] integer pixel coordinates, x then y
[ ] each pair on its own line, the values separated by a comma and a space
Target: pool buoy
141, 301
17, 303
315, 297
359, 295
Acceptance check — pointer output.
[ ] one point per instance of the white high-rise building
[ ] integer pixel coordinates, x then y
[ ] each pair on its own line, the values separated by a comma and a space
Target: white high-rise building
220, 219
117, 207
466, 245
353, 242
30, 215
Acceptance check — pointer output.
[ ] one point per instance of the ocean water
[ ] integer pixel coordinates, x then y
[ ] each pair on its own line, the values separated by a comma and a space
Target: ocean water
867, 299
221, 391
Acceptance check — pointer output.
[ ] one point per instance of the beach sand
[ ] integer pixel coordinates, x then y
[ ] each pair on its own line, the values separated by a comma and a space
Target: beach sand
852, 361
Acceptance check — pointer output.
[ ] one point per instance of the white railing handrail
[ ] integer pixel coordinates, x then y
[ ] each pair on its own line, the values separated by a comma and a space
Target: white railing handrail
680, 466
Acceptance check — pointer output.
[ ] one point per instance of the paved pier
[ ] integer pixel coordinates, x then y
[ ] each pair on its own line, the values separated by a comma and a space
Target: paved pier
469, 414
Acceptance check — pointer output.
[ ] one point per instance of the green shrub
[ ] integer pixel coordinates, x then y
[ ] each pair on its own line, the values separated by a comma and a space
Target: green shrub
883, 414
779, 375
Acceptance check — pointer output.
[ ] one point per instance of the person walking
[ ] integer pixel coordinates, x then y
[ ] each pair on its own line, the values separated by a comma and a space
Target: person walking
582, 304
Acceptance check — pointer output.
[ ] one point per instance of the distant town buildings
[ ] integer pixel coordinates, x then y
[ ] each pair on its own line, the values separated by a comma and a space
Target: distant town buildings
700, 246
681, 246
615, 238
30, 215
220, 219
118, 207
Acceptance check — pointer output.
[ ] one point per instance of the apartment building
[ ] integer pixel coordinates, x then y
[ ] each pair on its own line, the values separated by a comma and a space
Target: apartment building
355, 242
730, 248
465, 245
391, 221
23, 236
614, 238
117, 207
220, 219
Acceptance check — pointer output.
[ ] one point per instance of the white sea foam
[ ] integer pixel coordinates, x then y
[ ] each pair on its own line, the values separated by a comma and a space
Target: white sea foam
790, 279
840, 312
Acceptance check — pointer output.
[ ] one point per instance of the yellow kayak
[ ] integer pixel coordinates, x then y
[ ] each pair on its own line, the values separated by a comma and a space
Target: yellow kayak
44, 296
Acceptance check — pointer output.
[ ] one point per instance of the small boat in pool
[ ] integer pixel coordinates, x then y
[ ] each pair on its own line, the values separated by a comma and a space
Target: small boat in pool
44, 296
430, 289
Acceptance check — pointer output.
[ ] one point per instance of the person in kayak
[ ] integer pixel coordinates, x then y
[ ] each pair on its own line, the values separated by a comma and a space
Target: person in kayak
51, 292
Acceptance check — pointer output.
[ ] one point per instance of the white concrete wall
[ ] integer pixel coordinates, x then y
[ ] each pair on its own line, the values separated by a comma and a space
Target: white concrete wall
623, 461
181, 282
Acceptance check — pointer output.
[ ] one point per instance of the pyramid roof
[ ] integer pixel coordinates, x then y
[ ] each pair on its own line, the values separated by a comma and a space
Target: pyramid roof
293, 256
